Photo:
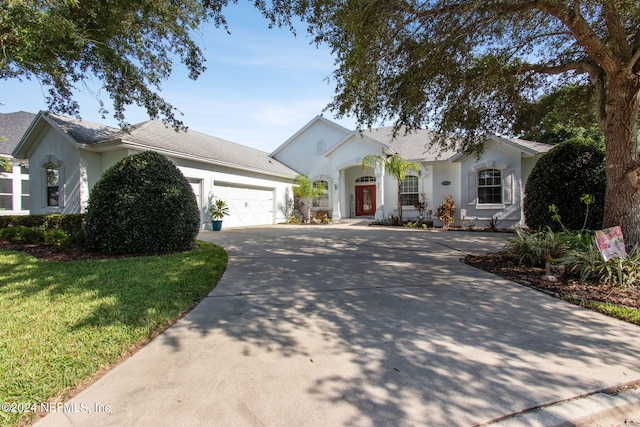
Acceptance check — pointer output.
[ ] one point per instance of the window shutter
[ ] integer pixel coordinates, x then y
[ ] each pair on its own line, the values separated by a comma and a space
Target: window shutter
472, 188
43, 188
61, 184
507, 186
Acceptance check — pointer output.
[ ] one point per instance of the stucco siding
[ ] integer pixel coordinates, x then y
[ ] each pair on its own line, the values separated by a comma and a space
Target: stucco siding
509, 162
53, 147
446, 180
311, 146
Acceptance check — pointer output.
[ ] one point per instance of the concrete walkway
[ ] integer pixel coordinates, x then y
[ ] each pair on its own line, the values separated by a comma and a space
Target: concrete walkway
350, 325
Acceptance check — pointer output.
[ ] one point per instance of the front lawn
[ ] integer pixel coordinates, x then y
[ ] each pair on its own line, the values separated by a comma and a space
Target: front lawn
63, 323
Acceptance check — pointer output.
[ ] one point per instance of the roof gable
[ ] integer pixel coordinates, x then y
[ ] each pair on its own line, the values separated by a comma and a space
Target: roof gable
358, 138
41, 123
312, 123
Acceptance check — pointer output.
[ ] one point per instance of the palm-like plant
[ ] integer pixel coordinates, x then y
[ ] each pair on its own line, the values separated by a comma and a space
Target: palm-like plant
395, 166
219, 210
304, 189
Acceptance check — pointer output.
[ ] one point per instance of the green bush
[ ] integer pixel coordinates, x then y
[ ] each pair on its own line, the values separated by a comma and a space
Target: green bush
446, 210
71, 224
538, 247
587, 263
561, 178
143, 203
57, 238
21, 234
33, 235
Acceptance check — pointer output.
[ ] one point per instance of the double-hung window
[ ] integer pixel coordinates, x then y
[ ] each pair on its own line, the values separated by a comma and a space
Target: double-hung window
409, 191
490, 187
322, 201
53, 186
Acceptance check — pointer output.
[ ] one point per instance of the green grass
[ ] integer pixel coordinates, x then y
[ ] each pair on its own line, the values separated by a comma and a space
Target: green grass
63, 322
628, 314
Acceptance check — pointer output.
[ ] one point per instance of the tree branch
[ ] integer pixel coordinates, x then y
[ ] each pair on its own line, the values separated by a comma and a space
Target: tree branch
580, 66
583, 33
632, 65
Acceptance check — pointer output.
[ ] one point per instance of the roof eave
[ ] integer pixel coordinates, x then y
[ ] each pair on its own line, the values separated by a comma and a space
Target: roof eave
384, 147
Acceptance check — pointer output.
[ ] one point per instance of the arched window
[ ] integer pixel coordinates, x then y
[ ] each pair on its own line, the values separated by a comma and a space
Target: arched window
409, 191
490, 186
322, 201
365, 179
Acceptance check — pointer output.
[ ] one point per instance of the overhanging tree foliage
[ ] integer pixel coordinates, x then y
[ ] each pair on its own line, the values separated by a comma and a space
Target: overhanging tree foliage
567, 113
129, 46
467, 67
464, 66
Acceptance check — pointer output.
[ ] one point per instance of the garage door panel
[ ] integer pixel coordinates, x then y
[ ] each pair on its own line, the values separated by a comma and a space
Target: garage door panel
248, 206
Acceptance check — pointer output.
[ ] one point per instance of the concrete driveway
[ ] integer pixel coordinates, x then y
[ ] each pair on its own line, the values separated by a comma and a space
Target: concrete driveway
352, 325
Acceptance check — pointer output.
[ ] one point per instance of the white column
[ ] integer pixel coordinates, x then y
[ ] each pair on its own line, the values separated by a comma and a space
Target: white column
379, 193
337, 197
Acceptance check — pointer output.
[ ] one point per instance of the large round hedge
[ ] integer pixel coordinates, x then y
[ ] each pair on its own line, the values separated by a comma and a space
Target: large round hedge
143, 203
561, 177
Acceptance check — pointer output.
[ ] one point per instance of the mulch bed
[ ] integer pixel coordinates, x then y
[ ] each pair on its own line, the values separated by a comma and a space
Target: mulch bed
506, 265
68, 253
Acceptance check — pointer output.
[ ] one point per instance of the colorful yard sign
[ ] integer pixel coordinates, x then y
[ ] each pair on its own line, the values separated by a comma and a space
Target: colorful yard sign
611, 243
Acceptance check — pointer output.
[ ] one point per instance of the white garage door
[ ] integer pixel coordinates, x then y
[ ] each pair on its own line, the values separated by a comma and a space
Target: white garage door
248, 205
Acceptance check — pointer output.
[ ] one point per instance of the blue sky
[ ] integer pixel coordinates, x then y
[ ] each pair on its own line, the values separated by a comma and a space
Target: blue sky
260, 87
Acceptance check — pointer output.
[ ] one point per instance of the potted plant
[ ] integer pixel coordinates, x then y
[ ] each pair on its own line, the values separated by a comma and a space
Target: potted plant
218, 210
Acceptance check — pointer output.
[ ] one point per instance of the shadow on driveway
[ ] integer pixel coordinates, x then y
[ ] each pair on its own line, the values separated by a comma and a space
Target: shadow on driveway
362, 326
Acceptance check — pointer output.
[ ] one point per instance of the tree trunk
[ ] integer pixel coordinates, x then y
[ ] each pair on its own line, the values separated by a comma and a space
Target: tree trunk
622, 199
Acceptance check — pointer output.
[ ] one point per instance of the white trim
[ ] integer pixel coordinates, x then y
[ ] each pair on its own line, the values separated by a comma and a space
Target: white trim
489, 164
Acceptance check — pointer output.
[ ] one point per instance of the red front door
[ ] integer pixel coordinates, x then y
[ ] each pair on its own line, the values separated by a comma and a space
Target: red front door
365, 200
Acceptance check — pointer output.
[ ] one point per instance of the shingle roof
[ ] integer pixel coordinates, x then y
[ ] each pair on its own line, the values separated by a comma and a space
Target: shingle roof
537, 147
85, 132
156, 135
416, 144
413, 146
12, 127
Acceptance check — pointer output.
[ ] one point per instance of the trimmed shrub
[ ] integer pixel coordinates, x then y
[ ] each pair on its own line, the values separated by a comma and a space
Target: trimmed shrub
561, 178
69, 223
21, 234
142, 204
55, 229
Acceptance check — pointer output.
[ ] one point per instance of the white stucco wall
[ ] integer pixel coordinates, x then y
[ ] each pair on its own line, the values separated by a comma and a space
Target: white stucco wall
509, 161
54, 147
302, 153
443, 173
